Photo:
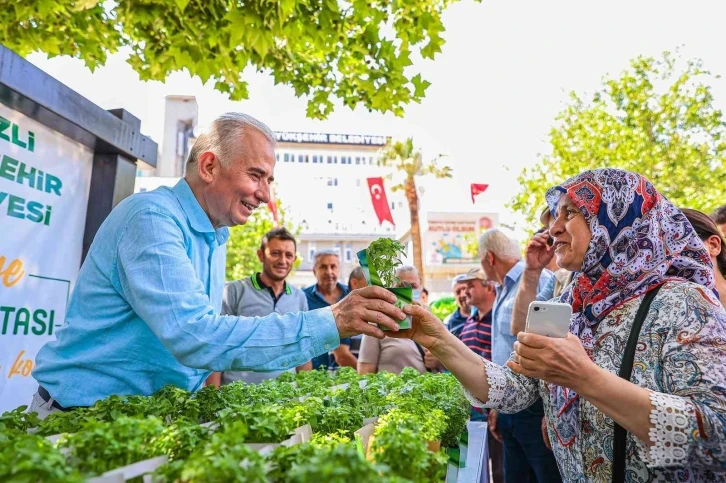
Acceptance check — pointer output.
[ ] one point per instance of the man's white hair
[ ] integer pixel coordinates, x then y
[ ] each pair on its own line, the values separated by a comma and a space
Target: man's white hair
224, 138
504, 246
404, 269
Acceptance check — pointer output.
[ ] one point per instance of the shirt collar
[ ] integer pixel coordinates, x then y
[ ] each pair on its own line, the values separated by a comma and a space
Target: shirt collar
259, 284
198, 219
515, 273
343, 291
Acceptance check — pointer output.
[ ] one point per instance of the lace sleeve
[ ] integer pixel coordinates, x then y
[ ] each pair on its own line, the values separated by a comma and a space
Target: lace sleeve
688, 416
508, 392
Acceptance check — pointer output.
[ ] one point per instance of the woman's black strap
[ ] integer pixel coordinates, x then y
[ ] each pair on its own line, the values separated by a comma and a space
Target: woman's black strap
626, 370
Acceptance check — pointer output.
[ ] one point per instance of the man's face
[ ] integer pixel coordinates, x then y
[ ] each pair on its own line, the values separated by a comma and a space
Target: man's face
412, 279
235, 191
277, 258
462, 299
326, 270
479, 292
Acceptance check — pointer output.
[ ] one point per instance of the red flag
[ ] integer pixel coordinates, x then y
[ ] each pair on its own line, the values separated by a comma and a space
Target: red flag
477, 189
272, 205
380, 201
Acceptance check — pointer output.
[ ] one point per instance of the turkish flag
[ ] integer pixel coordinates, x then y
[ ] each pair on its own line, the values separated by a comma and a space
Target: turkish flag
477, 189
272, 205
380, 201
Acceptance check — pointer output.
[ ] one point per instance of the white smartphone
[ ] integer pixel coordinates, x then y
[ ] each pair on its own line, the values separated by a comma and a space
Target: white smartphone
551, 319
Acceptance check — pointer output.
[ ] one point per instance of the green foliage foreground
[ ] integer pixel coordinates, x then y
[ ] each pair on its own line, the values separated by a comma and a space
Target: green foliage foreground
412, 409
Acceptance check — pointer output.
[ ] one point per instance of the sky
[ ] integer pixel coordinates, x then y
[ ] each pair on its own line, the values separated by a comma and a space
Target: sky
503, 75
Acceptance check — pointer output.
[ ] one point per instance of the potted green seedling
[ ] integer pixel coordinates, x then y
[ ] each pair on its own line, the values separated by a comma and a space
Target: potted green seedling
379, 262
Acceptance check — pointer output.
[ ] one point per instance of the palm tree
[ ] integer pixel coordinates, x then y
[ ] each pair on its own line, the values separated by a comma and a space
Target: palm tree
405, 159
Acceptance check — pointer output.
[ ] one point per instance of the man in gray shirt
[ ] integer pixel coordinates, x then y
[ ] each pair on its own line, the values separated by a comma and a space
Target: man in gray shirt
264, 293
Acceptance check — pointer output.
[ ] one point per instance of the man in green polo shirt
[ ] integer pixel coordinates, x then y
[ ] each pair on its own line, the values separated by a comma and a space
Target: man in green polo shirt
264, 293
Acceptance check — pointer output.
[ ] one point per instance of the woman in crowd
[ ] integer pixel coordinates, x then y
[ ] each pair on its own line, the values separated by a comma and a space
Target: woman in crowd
624, 240
710, 235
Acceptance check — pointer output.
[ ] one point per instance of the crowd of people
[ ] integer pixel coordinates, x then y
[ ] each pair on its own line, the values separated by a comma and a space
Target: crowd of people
641, 276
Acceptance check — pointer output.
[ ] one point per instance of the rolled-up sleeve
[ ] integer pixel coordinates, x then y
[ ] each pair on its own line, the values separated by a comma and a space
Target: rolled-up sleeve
159, 281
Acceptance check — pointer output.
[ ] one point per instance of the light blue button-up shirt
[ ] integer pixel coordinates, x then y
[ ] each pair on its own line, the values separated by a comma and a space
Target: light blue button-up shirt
145, 310
502, 338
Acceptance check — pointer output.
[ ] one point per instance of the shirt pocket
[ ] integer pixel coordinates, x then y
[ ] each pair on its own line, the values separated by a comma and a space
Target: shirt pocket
504, 316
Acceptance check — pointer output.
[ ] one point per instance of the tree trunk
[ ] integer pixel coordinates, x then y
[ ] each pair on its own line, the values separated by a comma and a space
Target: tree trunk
412, 198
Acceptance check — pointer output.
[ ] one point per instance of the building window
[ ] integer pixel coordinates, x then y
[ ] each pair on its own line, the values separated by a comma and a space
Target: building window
335, 160
330, 206
348, 252
335, 181
393, 205
357, 160
336, 247
311, 250
330, 181
370, 160
286, 157
330, 159
300, 158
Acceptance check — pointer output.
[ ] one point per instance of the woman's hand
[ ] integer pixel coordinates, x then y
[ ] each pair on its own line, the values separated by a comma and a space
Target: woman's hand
426, 328
538, 253
563, 362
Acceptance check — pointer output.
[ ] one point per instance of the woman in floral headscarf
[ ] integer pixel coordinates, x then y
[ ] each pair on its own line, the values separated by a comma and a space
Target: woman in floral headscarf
623, 239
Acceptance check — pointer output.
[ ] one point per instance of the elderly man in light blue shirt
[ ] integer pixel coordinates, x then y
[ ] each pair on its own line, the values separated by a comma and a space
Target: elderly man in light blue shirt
145, 309
526, 458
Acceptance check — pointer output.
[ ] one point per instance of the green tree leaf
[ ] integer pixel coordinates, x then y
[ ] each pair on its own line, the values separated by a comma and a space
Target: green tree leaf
657, 119
357, 52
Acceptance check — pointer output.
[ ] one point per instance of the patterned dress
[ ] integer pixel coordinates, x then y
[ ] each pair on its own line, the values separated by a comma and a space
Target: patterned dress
680, 358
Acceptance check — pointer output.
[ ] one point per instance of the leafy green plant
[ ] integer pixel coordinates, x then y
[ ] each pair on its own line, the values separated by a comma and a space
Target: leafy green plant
223, 458
265, 424
102, 446
384, 254
181, 439
18, 421
28, 458
400, 443
431, 392
118, 431
339, 464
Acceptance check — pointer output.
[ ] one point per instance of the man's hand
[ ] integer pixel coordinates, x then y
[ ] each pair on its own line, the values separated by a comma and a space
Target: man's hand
362, 308
493, 420
538, 253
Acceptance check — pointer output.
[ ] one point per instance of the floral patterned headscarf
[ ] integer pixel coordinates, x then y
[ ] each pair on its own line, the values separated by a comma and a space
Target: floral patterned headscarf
639, 241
